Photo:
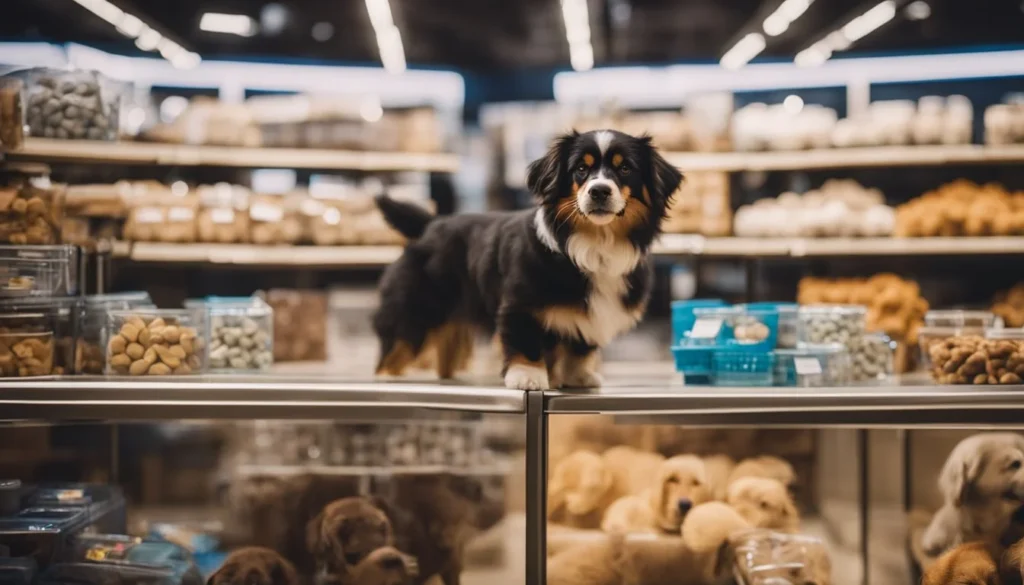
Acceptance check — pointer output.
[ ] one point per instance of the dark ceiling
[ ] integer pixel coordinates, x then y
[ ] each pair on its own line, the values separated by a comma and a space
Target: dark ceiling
487, 35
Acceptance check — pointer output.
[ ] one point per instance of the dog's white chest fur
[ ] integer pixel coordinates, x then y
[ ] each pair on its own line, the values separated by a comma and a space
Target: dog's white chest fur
607, 263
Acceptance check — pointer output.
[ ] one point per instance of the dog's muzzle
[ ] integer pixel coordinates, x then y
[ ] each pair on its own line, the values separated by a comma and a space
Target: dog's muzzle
601, 200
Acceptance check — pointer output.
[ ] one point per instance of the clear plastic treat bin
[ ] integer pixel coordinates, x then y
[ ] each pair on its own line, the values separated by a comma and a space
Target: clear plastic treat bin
44, 271
79, 105
31, 206
37, 336
155, 342
89, 352
995, 358
812, 366
241, 333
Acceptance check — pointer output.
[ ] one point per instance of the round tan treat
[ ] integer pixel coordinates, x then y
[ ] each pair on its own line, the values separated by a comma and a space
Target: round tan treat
178, 352
1010, 378
138, 368
156, 335
117, 344
981, 379
134, 351
166, 356
159, 369
171, 334
185, 343
193, 362
130, 332
150, 356
144, 337
120, 360
182, 370
157, 323
136, 322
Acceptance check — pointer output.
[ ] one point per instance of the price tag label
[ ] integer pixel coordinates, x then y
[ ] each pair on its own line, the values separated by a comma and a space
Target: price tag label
222, 215
706, 329
807, 366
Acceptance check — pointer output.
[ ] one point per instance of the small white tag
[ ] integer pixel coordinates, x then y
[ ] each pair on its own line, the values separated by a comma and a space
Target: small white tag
149, 215
180, 214
706, 329
266, 212
222, 215
807, 366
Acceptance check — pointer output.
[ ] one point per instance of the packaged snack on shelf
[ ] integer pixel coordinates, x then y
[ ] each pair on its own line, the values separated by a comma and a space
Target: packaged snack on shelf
871, 357
162, 214
155, 342
300, 325
38, 336
81, 105
89, 351
742, 368
241, 332
28, 271
12, 117
995, 358
741, 328
1009, 305
819, 324
763, 557
223, 213
812, 366
31, 207
701, 206
275, 219
788, 336
683, 316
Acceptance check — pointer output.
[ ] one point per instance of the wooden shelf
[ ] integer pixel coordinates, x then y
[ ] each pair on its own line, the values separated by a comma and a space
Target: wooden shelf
684, 245
836, 158
145, 153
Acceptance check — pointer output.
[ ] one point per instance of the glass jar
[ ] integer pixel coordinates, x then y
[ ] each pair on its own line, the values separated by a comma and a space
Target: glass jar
300, 325
38, 271
37, 336
155, 342
821, 324
241, 333
812, 366
89, 351
995, 358
31, 207
79, 105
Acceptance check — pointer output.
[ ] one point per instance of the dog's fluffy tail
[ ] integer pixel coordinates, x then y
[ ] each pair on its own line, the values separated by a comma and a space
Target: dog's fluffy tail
409, 219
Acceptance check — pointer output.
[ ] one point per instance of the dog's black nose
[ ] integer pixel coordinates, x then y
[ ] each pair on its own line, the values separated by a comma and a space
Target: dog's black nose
684, 506
600, 193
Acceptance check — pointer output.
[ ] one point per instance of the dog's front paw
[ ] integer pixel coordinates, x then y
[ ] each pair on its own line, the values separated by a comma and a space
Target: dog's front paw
526, 377
582, 379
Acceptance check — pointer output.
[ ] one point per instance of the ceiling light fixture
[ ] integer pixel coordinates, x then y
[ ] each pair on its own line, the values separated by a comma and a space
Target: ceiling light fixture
918, 10
793, 104
229, 24
146, 37
743, 51
577, 32
778, 21
322, 31
389, 38
871, 20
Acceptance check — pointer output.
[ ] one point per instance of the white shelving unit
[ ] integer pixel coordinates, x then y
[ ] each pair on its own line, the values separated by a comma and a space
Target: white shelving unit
686, 245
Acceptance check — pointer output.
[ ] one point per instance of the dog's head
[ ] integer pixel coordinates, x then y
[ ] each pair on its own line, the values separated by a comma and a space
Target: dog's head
345, 532
579, 483
682, 483
766, 466
603, 183
983, 468
255, 566
967, 564
385, 566
763, 502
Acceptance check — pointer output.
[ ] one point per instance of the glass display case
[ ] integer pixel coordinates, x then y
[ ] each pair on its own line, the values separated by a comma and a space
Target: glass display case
199, 477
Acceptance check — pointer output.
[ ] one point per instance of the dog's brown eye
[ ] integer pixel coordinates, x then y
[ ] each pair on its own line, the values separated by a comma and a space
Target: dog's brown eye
1015, 465
695, 482
764, 505
672, 481
582, 168
625, 170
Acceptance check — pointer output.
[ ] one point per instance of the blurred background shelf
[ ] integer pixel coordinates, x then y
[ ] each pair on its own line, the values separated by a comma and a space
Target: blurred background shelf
251, 254
837, 158
142, 153
679, 244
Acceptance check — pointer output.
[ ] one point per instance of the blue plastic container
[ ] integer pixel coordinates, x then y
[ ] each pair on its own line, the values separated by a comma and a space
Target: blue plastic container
683, 316
744, 329
694, 362
742, 368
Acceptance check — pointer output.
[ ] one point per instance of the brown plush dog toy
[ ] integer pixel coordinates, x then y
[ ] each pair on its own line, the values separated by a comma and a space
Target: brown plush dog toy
345, 533
255, 565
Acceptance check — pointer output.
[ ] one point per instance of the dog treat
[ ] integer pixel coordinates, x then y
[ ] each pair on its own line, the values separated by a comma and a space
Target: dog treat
89, 350
870, 354
223, 213
962, 208
31, 209
997, 358
300, 325
275, 219
71, 105
1010, 306
241, 343
12, 127
37, 337
158, 213
154, 343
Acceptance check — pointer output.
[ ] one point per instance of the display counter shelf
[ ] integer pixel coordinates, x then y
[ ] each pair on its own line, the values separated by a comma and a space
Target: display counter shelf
690, 245
145, 153
838, 158
256, 255
241, 397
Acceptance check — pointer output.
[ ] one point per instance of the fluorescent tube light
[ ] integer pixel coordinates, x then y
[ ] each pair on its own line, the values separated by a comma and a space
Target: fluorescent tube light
743, 51
229, 24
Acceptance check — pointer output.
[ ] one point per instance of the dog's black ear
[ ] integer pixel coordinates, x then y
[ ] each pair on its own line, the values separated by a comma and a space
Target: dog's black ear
545, 176
664, 179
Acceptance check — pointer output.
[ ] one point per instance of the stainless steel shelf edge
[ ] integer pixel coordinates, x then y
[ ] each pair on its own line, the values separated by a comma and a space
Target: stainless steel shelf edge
868, 406
241, 397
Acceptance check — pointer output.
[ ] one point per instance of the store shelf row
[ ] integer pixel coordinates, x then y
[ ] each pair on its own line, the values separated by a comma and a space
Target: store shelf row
908, 401
838, 158
141, 153
669, 245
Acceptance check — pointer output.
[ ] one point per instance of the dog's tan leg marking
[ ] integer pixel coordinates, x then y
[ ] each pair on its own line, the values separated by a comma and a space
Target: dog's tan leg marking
581, 371
454, 343
397, 360
523, 374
